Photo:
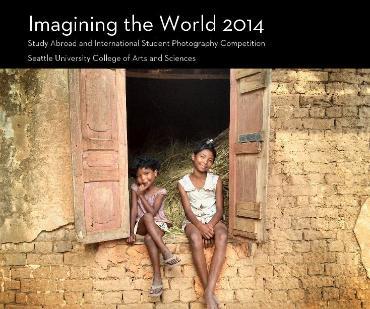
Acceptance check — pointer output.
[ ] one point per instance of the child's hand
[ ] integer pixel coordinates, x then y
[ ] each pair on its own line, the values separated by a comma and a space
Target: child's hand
131, 239
208, 242
207, 231
141, 189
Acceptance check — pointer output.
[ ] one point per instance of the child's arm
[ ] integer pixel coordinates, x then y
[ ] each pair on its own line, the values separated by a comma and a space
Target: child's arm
132, 237
205, 230
157, 203
219, 204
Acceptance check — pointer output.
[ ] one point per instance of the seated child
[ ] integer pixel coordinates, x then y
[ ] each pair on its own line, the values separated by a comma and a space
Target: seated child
148, 218
202, 200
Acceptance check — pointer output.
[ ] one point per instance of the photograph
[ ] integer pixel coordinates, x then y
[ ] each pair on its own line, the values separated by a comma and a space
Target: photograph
211, 187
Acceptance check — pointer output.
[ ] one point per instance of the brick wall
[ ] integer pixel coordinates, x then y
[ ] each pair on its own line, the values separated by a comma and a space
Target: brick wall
319, 164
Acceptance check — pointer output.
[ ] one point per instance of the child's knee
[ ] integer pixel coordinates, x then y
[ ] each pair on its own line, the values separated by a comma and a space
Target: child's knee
196, 240
147, 238
221, 237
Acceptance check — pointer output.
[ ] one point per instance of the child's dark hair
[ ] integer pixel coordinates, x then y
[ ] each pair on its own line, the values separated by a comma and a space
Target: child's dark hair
144, 162
206, 144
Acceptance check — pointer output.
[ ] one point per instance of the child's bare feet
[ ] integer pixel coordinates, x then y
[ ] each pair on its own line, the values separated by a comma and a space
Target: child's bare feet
157, 287
216, 300
171, 259
210, 300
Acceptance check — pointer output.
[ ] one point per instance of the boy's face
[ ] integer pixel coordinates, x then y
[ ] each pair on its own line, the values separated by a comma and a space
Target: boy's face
203, 160
146, 176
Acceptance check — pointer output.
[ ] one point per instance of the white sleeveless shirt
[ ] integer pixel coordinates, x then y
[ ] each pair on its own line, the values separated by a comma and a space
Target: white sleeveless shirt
203, 200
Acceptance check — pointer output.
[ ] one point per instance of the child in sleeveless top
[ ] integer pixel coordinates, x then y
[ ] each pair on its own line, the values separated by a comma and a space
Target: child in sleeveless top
202, 200
148, 218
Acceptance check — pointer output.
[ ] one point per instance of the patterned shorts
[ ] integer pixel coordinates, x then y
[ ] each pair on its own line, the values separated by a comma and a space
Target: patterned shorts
162, 225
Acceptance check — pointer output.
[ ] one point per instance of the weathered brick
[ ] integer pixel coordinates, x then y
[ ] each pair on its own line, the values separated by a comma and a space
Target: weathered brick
171, 306
188, 295
316, 269
350, 111
229, 271
242, 283
317, 112
113, 298
301, 223
348, 293
283, 246
12, 285
54, 299
302, 246
343, 304
313, 235
330, 293
312, 282
44, 259
13, 259
241, 305
21, 298
93, 297
300, 112
298, 270
282, 271
118, 272
244, 295
21, 272
309, 88
36, 299
76, 285
336, 245
281, 88
296, 295
283, 75
246, 271
137, 306
170, 296
262, 295
43, 247
348, 258
41, 272
265, 271
113, 285
365, 90
319, 245
282, 283
283, 223
171, 272
76, 259
181, 283
94, 306
189, 271
225, 296
73, 297
7, 297
347, 77
22, 307
335, 111
39, 285
313, 294
363, 294
341, 89
281, 296
24, 247
314, 76
62, 246
285, 100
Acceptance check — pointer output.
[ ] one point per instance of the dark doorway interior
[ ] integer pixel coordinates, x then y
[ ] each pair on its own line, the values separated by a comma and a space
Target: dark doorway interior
175, 108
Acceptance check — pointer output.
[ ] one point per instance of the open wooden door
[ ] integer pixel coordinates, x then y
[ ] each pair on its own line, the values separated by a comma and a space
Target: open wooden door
249, 134
99, 154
